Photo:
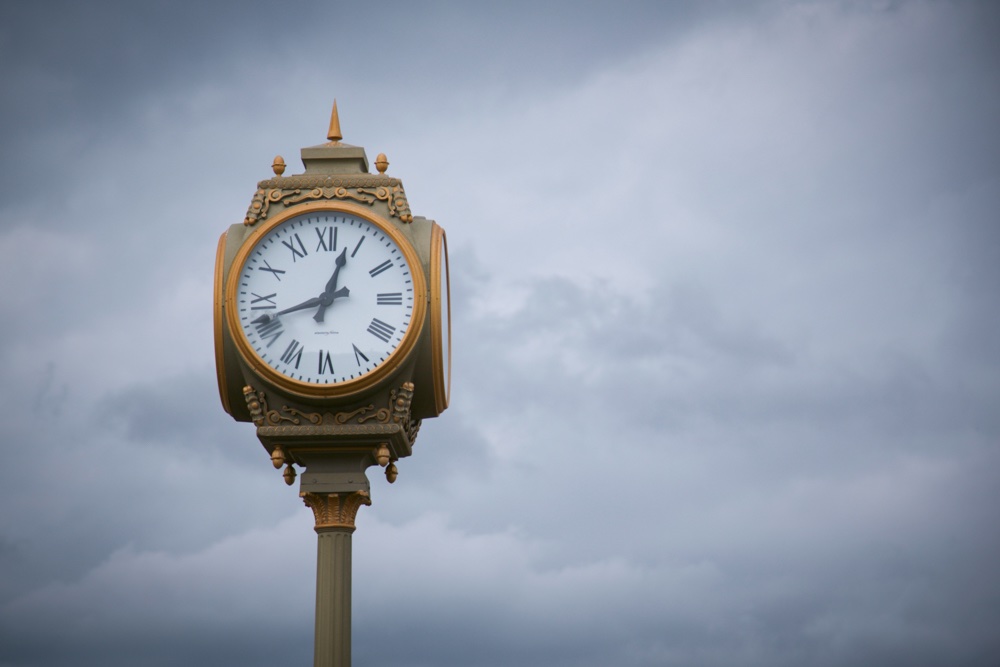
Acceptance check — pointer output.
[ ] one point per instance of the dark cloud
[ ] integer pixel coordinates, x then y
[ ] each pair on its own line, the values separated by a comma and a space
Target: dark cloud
87, 75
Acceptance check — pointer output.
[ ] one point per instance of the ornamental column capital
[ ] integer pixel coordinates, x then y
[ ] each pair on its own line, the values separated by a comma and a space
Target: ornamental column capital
335, 511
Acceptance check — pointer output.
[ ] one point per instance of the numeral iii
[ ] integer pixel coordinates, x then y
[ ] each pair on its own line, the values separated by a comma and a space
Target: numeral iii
389, 298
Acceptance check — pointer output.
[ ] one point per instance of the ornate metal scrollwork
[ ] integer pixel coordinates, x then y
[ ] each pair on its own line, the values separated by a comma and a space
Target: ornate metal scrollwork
397, 412
256, 404
297, 189
400, 402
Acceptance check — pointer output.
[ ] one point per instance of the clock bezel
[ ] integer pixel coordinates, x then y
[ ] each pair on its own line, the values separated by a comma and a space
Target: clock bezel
217, 311
339, 389
442, 382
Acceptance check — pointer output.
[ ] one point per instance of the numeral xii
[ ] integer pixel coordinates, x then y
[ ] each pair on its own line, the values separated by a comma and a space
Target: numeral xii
327, 238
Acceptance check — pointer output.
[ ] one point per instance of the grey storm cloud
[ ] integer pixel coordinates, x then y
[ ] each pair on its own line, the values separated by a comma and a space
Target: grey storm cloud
725, 321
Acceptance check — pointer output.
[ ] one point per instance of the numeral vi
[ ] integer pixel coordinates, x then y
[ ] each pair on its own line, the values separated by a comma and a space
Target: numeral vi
325, 363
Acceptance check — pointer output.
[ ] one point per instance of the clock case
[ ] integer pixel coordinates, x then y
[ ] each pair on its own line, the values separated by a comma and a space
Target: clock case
377, 418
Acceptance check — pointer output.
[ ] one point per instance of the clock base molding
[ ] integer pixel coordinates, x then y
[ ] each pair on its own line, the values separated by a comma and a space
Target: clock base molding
335, 448
396, 412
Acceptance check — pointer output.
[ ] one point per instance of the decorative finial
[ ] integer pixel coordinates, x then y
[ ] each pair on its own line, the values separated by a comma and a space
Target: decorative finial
334, 134
278, 457
381, 163
278, 165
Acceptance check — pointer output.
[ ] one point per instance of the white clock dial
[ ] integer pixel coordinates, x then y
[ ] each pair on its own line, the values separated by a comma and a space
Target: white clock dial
326, 297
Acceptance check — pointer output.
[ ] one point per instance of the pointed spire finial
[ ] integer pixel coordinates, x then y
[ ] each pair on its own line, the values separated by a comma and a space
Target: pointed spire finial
334, 134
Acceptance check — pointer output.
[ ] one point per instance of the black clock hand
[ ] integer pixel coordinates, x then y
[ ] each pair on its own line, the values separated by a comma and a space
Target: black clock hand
331, 284
331, 292
302, 306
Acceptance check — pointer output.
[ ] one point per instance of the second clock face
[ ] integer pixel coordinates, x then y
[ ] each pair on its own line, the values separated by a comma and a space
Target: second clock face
326, 297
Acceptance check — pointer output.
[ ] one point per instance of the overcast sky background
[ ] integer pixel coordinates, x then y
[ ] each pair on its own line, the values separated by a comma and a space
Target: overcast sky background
725, 286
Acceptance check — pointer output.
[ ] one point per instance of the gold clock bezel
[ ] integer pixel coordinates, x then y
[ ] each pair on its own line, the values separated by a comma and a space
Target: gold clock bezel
349, 387
220, 371
442, 384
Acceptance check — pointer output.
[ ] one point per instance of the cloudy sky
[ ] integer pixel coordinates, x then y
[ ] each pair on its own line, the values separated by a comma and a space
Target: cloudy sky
726, 323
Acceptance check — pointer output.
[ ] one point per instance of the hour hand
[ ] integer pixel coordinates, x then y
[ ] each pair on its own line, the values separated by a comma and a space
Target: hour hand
331, 292
331, 285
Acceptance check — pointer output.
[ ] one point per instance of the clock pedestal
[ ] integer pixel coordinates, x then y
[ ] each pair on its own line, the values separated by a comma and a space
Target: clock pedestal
335, 449
335, 514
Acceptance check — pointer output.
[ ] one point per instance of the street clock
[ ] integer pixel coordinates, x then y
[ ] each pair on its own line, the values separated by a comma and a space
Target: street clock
331, 290
332, 318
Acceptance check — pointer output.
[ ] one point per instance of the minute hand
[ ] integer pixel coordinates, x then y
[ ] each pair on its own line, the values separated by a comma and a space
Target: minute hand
302, 306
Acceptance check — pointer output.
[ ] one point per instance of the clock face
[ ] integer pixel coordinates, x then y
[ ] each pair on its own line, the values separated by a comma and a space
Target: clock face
326, 299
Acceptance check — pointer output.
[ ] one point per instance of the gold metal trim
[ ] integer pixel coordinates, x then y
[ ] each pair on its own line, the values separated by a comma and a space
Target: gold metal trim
220, 361
442, 384
350, 387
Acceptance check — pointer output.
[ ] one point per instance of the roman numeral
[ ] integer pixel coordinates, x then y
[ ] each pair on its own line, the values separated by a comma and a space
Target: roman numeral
293, 352
381, 330
360, 241
296, 252
327, 238
267, 267
358, 354
269, 298
324, 362
389, 298
268, 328
384, 266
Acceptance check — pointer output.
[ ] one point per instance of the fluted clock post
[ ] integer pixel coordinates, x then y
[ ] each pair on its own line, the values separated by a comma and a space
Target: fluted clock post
335, 515
333, 337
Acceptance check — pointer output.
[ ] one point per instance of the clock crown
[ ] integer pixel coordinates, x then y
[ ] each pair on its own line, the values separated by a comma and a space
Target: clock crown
335, 157
333, 135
